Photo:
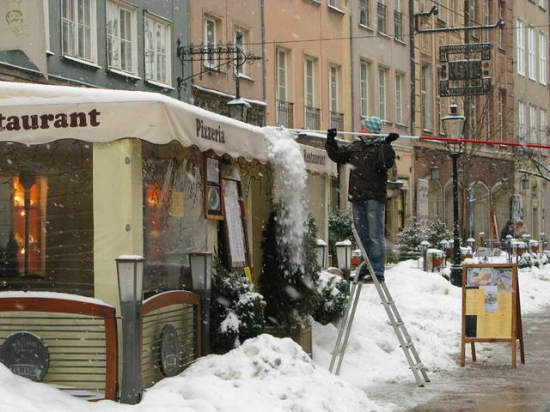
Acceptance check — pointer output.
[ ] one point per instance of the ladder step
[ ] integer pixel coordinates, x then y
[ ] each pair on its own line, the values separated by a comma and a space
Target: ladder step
419, 366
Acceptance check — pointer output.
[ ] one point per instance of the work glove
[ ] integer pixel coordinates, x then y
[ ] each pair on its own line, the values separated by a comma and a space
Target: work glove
331, 134
391, 137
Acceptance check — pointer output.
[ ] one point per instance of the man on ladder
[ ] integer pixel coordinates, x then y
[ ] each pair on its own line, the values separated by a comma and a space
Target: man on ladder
370, 158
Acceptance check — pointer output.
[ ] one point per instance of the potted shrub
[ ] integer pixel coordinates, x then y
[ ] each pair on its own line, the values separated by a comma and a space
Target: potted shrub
289, 289
236, 311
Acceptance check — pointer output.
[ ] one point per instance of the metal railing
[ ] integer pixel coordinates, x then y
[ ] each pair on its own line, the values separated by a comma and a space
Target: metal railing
312, 118
337, 120
285, 114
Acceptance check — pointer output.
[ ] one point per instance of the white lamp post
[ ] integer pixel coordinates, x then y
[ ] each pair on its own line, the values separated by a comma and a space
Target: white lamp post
454, 128
425, 245
200, 264
130, 288
343, 253
321, 253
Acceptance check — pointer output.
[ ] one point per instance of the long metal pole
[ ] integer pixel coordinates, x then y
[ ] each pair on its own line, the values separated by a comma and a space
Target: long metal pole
456, 268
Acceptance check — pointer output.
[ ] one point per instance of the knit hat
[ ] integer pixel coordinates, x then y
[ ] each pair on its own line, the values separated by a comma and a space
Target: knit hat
373, 123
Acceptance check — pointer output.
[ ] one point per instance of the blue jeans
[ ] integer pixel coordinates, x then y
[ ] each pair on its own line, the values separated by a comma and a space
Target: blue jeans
368, 217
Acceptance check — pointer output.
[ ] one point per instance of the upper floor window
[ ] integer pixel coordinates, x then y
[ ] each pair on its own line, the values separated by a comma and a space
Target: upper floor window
543, 58
79, 29
532, 53
282, 74
543, 126
157, 50
520, 39
399, 83
364, 88
426, 96
381, 14
334, 88
533, 124
382, 90
500, 32
364, 16
310, 81
501, 114
522, 122
543, 4
241, 41
121, 37
210, 40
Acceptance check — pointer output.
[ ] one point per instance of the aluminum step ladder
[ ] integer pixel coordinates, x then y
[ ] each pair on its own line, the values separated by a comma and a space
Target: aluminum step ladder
405, 342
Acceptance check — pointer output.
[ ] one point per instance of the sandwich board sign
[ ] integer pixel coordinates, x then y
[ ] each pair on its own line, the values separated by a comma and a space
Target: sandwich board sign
491, 310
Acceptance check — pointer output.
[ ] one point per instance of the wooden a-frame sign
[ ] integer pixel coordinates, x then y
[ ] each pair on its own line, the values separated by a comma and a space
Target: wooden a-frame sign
491, 309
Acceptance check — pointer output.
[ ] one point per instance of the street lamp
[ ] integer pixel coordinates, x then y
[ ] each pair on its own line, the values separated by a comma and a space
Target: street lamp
453, 125
321, 253
200, 264
343, 254
482, 239
509, 244
425, 246
130, 289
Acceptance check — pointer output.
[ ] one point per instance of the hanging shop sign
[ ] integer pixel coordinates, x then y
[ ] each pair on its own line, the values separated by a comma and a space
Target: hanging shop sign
465, 69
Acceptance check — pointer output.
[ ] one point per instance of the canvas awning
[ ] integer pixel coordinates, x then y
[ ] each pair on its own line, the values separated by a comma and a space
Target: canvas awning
35, 114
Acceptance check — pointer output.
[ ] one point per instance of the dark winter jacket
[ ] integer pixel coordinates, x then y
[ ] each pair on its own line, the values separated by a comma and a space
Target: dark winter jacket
369, 163
507, 230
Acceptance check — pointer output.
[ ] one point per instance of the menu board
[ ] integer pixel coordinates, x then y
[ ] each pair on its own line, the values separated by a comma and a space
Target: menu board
490, 306
235, 224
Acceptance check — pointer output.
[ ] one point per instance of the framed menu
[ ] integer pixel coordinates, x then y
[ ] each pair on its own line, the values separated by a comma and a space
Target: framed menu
212, 190
235, 225
491, 309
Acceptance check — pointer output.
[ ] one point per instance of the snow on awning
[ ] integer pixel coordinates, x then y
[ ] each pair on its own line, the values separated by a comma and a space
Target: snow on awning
317, 160
35, 114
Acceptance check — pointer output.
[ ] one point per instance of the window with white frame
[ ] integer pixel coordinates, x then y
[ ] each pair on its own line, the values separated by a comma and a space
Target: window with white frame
121, 37
241, 41
310, 71
533, 124
532, 52
364, 16
210, 40
453, 11
381, 13
364, 88
426, 97
543, 126
382, 90
500, 32
487, 20
543, 4
501, 114
45, 8
157, 35
399, 98
282, 74
522, 122
543, 76
79, 29
520, 40
334, 88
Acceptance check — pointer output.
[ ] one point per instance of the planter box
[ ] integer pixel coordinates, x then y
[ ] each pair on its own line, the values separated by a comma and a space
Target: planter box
302, 336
